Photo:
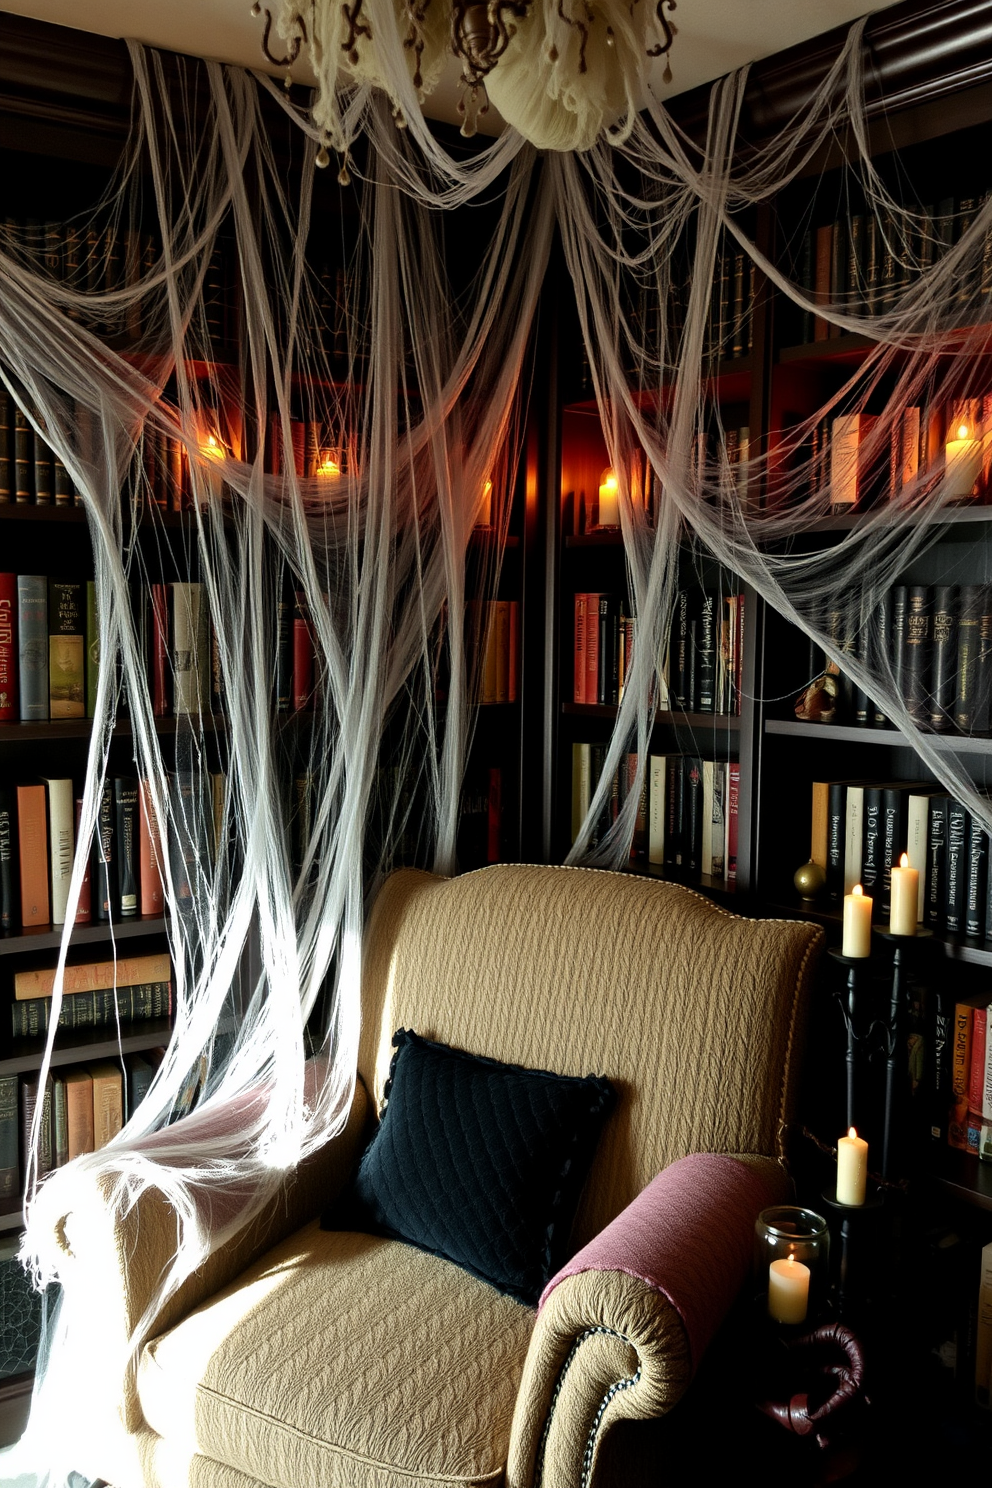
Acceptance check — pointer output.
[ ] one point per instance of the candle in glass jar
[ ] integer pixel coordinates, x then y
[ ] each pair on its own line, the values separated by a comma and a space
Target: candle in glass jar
852, 1169
857, 923
788, 1290
904, 899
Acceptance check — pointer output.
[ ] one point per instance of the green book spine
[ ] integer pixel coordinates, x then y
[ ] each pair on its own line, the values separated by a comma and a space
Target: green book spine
66, 650
10, 1168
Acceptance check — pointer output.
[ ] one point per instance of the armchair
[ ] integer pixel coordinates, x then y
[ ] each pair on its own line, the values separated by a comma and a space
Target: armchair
306, 1358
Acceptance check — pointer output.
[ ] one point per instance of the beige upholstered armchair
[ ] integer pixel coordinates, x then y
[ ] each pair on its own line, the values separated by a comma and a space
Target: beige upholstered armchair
302, 1357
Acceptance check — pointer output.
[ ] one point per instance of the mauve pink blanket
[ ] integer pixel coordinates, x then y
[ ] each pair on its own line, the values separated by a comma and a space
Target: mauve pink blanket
688, 1235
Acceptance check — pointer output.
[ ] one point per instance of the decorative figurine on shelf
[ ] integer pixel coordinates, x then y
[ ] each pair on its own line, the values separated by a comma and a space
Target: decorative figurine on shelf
817, 703
810, 880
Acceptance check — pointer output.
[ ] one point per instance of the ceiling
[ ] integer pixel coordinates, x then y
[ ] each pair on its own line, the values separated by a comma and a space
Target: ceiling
714, 36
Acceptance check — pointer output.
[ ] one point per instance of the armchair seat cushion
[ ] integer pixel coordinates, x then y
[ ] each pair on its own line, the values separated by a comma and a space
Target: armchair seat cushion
344, 1360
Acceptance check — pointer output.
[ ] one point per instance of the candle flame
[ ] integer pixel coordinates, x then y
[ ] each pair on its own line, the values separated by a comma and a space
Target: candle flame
608, 481
857, 889
851, 1132
962, 431
791, 1257
904, 861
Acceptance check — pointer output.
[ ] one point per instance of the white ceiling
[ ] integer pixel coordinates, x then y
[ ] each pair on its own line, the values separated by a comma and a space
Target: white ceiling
714, 36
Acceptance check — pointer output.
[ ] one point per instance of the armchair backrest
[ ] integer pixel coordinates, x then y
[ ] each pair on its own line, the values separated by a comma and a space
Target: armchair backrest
695, 1014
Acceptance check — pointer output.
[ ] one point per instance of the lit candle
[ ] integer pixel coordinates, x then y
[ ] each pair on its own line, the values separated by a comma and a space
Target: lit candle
852, 1169
484, 517
857, 923
788, 1290
609, 513
962, 461
904, 898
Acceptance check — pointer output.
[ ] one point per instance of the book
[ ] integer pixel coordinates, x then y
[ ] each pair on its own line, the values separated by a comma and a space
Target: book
10, 1167
303, 657
66, 649
9, 708
32, 646
851, 460
138, 1076
692, 856
657, 770
971, 602
956, 871
976, 877
706, 652
92, 657
104, 865
854, 828
126, 845
158, 649
944, 658
957, 1126
871, 840
29, 1104
917, 652
152, 900
23, 459
918, 842
937, 860
6, 448
84, 908
674, 811
79, 1112
941, 1042
102, 1008
60, 1121
714, 824
61, 845
581, 602
108, 1101
10, 879
733, 809
32, 836
95, 976
188, 648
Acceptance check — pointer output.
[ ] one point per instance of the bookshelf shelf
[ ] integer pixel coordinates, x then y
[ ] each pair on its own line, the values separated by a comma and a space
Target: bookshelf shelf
958, 948
87, 1043
49, 938
963, 1175
724, 723
840, 733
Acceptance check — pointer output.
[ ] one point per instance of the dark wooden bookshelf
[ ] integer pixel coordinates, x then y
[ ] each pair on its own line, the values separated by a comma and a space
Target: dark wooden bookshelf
844, 733
49, 937
87, 1043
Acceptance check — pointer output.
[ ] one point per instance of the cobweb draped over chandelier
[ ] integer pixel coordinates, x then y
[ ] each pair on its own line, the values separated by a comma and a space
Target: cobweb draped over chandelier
563, 73
421, 391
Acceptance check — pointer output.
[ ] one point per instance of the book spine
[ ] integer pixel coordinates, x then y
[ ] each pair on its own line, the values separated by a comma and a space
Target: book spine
957, 1126
6, 448
894, 805
917, 845
32, 646
32, 833
657, 771
302, 655
897, 655
189, 647
853, 836
944, 658
733, 810
104, 865
675, 801
942, 1045
84, 909
956, 877
61, 845
100, 1008
10, 1168
871, 840
79, 1113
937, 861
66, 650
579, 649
976, 878
982, 717
149, 854
681, 680
8, 648
693, 856
608, 669
159, 650
971, 604
126, 845
92, 649
23, 459
918, 648
706, 652
10, 888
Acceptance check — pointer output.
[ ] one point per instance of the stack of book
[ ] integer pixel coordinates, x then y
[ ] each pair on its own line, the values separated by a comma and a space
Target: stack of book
968, 1121
702, 667
860, 829
938, 641
862, 262
492, 628
124, 876
31, 473
95, 994
687, 813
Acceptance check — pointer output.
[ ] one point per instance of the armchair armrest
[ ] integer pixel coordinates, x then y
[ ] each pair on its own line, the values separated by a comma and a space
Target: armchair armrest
124, 1258
622, 1327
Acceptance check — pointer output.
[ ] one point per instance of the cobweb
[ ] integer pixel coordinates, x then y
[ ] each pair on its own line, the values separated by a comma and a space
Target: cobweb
390, 319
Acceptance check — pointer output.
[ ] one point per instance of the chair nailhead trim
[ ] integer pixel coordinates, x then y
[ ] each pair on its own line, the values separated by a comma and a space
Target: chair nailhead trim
614, 1389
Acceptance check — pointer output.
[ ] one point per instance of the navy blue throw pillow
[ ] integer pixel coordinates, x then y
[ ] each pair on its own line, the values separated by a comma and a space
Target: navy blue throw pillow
479, 1162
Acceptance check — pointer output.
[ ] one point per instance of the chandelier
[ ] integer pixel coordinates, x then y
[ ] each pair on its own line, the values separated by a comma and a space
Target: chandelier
564, 73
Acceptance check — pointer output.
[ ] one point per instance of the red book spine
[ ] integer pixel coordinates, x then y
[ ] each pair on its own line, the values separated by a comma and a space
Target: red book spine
579, 692
84, 909
592, 649
160, 649
9, 710
733, 809
302, 656
976, 1075
150, 854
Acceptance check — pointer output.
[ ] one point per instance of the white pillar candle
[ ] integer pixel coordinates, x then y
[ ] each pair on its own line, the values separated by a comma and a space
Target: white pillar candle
857, 923
788, 1290
962, 463
852, 1169
904, 898
609, 510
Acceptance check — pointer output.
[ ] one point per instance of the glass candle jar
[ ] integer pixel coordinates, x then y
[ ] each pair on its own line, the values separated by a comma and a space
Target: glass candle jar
791, 1261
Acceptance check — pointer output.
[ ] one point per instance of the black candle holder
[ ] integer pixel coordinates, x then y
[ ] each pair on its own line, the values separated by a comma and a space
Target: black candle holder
854, 965
902, 948
854, 1218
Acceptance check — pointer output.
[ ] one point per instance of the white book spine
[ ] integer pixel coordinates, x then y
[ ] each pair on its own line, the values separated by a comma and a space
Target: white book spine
853, 837
61, 844
656, 808
917, 842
